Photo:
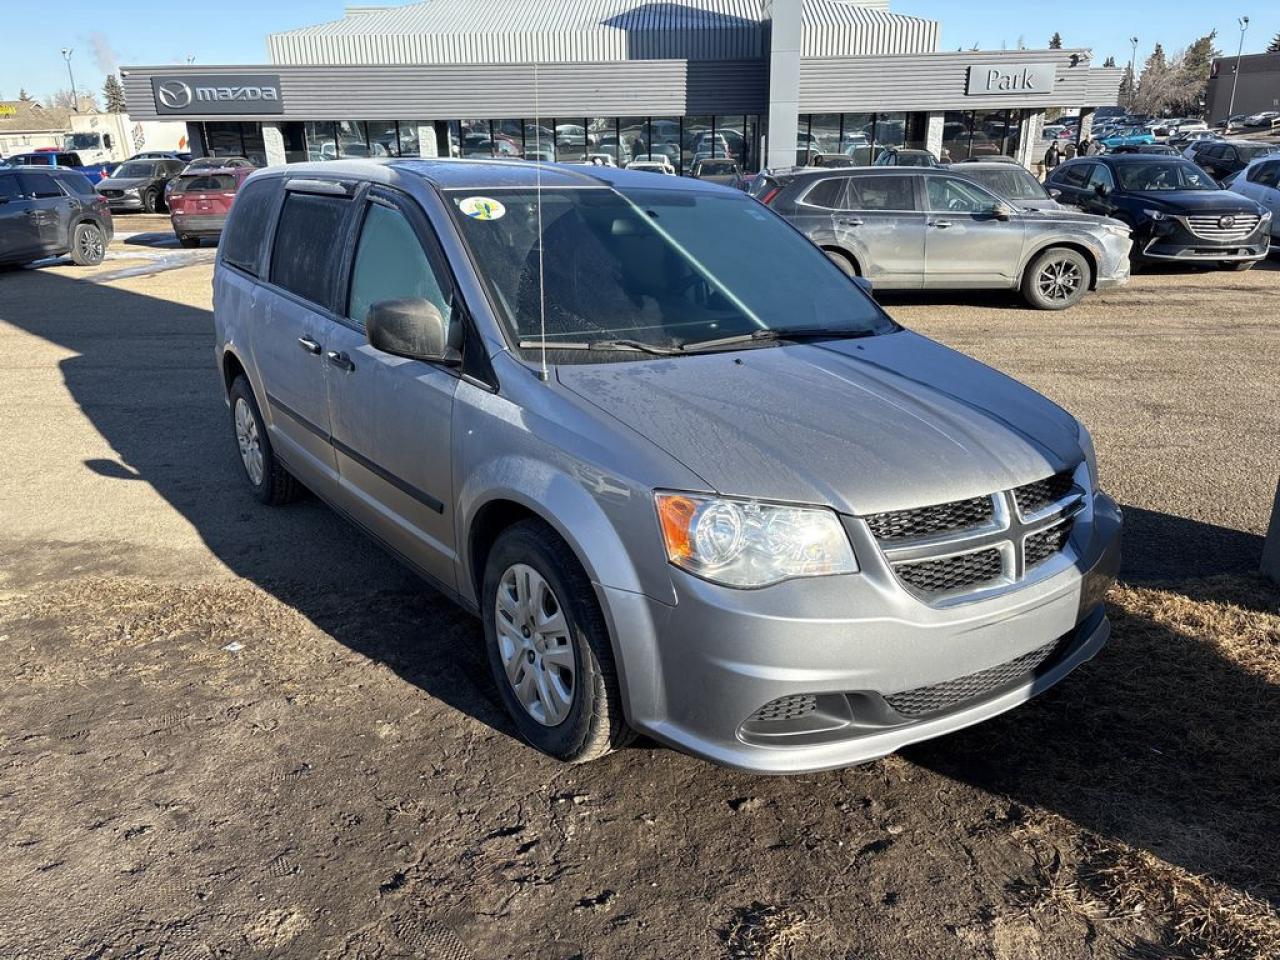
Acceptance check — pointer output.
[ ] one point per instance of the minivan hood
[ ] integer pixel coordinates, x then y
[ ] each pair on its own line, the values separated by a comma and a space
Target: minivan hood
863, 426
1192, 201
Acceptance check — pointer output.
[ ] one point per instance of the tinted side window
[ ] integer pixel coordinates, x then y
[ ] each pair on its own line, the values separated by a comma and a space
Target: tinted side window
39, 185
1266, 174
308, 245
882, 193
390, 264
78, 183
1073, 175
241, 244
828, 194
1101, 177
9, 188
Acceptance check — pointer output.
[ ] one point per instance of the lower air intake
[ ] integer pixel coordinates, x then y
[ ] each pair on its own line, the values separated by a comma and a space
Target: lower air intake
923, 701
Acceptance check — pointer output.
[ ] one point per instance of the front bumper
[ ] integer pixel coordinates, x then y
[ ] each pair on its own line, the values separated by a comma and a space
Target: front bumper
122, 204
1171, 243
696, 673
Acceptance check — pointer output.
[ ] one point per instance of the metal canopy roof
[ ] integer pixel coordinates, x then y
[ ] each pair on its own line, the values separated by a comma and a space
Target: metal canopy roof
518, 31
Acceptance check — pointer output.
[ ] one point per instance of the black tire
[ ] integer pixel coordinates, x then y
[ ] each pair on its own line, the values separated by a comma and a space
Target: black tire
844, 263
1237, 265
88, 245
276, 485
1071, 264
189, 242
594, 724
150, 201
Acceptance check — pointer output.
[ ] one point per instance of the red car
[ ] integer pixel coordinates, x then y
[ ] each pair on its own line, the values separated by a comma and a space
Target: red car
201, 199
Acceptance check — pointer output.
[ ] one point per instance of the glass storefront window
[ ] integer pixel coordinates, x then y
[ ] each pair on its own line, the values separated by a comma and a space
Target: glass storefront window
697, 141
508, 138
539, 140
408, 138
824, 132
665, 139
857, 132
730, 140
384, 140
295, 142
475, 140
352, 139
956, 128
602, 134
571, 139
634, 133
322, 141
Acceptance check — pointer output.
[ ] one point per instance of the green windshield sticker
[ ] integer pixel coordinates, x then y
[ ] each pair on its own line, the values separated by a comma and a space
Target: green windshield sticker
482, 208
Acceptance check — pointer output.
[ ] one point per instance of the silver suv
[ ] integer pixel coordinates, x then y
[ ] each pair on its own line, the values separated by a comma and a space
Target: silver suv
692, 479
917, 229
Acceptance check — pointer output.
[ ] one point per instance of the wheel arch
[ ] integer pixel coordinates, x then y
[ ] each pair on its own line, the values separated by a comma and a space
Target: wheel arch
842, 252
232, 367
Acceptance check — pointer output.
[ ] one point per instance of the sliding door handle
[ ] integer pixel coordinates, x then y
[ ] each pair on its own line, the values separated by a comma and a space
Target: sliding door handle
309, 345
340, 360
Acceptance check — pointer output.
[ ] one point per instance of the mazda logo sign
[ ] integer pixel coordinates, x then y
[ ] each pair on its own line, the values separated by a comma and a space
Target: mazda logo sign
1226, 223
174, 94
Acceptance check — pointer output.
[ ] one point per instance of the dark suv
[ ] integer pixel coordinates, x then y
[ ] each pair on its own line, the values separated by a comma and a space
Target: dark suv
1176, 210
1226, 157
139, 184
50, 212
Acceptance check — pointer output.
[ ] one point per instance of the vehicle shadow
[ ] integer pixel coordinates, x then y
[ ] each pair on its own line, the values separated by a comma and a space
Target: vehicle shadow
1161, 743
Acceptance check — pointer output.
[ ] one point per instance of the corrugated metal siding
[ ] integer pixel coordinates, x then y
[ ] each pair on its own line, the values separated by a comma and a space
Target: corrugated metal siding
934, 81
514, 31
449, 91
1103, 89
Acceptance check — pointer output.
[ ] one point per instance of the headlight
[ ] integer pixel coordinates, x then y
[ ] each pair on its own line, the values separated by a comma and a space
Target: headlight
744, 543
133, 190
1156, 214
1090, 456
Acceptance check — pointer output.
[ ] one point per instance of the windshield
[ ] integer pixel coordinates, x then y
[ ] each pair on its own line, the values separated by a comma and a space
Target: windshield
81, 141
659, 266
1154, 175
1013, 183
134, 169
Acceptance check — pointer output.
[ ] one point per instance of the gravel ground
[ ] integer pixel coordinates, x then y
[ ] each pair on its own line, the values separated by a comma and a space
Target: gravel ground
232, 731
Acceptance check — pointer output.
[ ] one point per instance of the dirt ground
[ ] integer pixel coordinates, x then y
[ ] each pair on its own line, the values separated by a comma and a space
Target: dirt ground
233, 731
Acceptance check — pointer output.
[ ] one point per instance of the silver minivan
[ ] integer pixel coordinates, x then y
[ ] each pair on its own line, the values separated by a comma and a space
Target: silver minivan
693, 480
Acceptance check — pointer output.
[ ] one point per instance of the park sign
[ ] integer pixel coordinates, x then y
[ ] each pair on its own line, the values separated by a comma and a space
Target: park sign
997, 79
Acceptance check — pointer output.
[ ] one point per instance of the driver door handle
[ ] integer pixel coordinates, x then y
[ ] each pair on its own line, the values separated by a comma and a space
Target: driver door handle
941, 224
849, 222
309, 345
340, 360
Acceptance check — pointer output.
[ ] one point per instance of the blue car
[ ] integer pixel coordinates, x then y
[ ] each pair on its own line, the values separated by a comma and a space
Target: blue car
1129, 137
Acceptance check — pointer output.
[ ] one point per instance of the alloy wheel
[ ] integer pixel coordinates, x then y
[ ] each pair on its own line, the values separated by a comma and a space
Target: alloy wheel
533, 642
91, 247
249, 441
1059, 280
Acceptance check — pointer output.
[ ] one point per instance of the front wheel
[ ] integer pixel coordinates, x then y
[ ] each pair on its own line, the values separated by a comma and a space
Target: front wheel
150, 202
88, 245
1237, 265
270, 482
548, 646
1057, 279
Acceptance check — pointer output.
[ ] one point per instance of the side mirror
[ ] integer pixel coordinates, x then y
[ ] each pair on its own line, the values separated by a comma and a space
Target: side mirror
1102, 189
864, 285
1002, 211
410, 328
1055, 193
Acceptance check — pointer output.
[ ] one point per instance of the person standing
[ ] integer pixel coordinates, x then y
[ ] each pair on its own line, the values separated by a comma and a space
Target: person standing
1069, 150
1052, 157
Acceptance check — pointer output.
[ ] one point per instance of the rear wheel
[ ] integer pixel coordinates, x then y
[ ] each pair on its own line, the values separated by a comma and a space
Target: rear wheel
1057, 279
189, 241
270, 481
843, 262
1237, 265
88, 245
548, 646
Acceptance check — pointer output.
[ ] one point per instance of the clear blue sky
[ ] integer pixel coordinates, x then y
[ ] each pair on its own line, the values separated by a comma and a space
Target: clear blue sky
149, 32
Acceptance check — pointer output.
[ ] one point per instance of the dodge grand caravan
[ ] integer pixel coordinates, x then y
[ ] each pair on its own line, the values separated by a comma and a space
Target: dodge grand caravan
693, 480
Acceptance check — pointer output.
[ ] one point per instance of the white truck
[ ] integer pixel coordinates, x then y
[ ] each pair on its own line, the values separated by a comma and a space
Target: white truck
109, 138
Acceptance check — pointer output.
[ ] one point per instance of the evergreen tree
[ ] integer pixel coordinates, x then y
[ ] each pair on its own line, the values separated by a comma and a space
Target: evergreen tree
1109, 62
1055, 42
1193, 69
1275, 45
1128, 89
113, 94
24, 96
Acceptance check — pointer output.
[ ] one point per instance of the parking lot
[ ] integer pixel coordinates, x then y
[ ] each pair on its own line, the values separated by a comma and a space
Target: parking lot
229, 730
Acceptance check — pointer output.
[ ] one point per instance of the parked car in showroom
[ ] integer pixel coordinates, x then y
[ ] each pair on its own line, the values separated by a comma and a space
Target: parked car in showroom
1260, 181
910, 228
49, 213
138, 185
1220, 160
1177, 212
1010, 180
737, 509
200, 200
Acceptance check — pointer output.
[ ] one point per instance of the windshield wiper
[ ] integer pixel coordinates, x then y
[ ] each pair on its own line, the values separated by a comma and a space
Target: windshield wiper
766, 336
636, 346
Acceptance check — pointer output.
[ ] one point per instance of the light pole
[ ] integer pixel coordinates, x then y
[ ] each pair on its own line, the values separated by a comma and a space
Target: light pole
1235, 81
75, 101
1133, 72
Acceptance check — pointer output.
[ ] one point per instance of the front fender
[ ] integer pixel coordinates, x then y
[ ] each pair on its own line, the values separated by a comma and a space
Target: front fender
1064, 238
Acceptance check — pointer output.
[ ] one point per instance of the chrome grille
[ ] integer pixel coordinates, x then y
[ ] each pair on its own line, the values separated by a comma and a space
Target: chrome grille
929, 521
948, 552
922, 701
962, 572
1223, 226
1034, 497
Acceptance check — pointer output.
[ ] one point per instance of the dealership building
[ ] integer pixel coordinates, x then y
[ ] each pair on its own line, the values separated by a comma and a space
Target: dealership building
763, 81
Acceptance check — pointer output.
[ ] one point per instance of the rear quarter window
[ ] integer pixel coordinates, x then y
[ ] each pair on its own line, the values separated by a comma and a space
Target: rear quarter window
242, 239
78, 184
308, 245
